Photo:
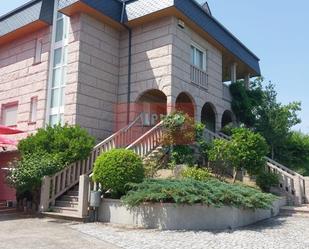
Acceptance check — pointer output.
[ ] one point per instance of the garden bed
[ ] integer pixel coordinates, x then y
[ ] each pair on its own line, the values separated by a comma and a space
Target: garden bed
169, 216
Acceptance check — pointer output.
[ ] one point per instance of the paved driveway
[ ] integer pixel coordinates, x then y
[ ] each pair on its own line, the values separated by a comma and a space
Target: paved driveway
28, 233
20, 232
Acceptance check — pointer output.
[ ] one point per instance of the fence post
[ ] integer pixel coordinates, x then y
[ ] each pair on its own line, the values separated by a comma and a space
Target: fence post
298, 191
306, 187
45, 192
83, 192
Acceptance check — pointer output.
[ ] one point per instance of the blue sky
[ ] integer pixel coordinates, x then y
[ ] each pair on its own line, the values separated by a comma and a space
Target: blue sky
277, 32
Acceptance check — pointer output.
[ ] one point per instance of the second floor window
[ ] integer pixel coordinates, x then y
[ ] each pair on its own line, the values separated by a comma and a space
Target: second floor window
9, 115
33, 110
59, 69
198, 57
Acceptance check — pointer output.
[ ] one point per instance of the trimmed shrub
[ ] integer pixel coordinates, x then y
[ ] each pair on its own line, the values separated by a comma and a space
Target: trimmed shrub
211, 193
196, 174
68, 143
116, 168
266, 180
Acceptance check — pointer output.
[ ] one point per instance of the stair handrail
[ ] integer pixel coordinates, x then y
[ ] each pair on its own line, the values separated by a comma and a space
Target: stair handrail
271, 161
56, 185
147, 142
282, 167
124, 129
291, 182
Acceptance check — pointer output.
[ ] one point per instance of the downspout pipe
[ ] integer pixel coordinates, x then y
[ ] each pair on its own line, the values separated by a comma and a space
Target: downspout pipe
129, 60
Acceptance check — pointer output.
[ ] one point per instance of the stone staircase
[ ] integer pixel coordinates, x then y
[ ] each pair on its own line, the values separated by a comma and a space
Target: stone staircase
301, 211
293, 186
66, 206
66, 193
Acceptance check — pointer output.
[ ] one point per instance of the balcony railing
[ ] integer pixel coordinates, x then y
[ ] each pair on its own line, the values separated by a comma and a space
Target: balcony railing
226, 93
199, 77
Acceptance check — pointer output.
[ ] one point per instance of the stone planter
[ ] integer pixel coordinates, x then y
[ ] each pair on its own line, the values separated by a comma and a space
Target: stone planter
184, 217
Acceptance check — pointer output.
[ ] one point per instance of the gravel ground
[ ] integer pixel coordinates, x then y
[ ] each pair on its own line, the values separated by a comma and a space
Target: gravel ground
281, 232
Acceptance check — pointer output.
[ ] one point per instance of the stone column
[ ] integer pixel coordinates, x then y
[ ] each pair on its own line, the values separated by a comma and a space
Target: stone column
234, 72
247, 81
306, 189
45, 191
170, 104
298, 191
83, 193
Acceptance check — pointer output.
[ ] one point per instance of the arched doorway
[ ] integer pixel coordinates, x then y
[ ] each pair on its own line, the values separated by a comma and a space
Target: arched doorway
208, 117
227, 118
185, 104
153, 104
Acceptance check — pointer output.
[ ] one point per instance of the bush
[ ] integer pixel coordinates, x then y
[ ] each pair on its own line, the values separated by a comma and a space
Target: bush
266, 180
211, 193
182, 154
116, 168
45, 153
179, 129
68, 143
245, 151
29, 171
196, 174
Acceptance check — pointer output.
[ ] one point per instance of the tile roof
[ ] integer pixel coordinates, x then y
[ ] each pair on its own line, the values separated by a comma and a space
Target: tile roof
26, 14
42, 10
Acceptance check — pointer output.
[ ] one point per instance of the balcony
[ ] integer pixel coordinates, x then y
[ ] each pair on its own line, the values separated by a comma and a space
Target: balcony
226, 95
199, 77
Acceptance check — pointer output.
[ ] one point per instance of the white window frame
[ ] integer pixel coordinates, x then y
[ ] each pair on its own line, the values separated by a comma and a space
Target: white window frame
33, 110
4, 109
38, 51
201, 49
62, 44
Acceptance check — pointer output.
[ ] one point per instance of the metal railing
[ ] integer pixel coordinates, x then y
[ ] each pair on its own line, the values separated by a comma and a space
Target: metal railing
198, 77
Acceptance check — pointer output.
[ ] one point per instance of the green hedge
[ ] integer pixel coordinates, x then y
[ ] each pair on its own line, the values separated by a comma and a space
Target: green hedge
115, 168
212, 193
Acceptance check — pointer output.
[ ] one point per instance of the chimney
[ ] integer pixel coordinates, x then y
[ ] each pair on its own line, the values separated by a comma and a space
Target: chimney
205, 6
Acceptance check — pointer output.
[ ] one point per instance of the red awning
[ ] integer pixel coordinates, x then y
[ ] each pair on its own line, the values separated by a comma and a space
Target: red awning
4, 130
7, 141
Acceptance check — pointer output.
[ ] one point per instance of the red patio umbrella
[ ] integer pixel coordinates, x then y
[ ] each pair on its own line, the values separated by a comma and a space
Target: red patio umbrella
7, 141
4, 130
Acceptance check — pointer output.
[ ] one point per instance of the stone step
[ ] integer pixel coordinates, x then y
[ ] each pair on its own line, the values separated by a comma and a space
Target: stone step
68, 198
72, 193
295, 211
66, 210
65, 216
61, 203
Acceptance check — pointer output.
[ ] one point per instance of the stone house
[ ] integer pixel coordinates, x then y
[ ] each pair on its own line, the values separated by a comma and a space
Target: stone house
97, 63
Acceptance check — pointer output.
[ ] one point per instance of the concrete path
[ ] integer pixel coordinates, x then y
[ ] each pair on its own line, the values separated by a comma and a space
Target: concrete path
22, 232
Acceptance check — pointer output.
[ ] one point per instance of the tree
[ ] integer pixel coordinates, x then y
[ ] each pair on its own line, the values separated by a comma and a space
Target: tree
295, 152
258, 108
245, 102
245, 151
275, 120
